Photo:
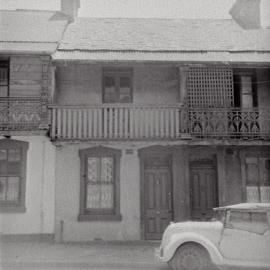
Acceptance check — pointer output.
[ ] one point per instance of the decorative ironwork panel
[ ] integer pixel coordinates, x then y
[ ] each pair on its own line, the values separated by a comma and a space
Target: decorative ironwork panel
210, 87
232, 123
20, 113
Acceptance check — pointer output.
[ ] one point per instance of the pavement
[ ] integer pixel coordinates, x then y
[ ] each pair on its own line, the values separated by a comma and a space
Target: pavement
76, 256
99, 256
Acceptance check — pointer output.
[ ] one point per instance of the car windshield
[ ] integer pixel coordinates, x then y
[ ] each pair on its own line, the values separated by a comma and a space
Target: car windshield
219, 214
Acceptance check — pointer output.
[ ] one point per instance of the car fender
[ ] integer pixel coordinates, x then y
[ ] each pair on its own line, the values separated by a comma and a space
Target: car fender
180, 239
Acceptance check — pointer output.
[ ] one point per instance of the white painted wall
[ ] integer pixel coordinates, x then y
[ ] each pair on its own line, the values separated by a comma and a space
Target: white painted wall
68, 192
40, 191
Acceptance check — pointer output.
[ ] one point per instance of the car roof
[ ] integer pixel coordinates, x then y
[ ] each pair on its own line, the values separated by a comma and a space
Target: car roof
246, 206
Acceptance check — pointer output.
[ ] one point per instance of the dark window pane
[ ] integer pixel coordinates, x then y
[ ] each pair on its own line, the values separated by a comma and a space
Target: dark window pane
14, 168
3, 154
109, 82
14, 155
3, 76
109, 90
125, 89
3, 167
3, 188
125, 82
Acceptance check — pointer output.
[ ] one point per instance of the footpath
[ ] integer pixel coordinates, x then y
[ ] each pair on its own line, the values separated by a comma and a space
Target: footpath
35, 255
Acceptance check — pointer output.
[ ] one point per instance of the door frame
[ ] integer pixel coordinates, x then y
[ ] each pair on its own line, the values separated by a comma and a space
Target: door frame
143, 154
203, 163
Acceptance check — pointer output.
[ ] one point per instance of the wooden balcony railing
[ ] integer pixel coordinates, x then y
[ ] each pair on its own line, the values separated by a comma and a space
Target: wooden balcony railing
116, 122
141, 122
22, 114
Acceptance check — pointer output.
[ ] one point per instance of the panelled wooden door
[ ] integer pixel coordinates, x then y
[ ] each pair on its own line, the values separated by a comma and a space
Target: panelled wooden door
203, 191
157, 200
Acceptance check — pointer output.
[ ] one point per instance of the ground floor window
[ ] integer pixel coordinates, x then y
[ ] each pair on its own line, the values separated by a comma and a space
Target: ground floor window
258, 179
100, 184
12, 175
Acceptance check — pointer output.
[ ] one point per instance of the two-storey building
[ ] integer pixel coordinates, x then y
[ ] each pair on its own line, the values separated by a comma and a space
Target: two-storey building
157, 120
27, 157
131, 124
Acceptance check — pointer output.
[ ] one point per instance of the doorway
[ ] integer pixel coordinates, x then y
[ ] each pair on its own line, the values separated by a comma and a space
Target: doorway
156, 196
203, 190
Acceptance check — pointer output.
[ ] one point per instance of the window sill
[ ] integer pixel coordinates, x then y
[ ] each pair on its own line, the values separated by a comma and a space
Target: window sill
94, 217
12, 209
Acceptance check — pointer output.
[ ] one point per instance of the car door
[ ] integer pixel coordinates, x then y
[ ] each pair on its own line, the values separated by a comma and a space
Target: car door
246, 236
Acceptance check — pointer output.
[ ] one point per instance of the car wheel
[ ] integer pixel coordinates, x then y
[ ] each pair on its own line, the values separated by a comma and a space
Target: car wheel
191, 257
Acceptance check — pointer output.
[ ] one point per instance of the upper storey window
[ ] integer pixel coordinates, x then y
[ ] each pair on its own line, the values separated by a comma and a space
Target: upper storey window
4, 78
117, 85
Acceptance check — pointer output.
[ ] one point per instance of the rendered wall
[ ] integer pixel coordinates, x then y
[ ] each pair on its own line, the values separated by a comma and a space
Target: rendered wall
39, 196
68, 228
82, 84
67, 199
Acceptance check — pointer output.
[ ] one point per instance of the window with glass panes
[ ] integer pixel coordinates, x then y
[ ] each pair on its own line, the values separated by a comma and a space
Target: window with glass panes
100, 184
117, 85
12, 175
4, 78
258, 179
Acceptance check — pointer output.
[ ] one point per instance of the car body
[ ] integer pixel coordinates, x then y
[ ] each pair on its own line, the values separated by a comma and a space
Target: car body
239, 235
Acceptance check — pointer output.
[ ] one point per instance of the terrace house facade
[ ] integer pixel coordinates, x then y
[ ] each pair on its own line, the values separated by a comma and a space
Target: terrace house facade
27, 40
156, 120
112, 128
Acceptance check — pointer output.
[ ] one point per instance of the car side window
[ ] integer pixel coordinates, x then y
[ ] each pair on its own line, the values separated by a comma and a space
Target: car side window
252, 221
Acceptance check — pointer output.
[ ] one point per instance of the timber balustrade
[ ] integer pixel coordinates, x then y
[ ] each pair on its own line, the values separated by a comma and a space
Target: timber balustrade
22, 114
116, 122
140, 122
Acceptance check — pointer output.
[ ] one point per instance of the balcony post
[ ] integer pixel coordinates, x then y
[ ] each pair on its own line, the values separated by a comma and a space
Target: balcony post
44, 95
183, 74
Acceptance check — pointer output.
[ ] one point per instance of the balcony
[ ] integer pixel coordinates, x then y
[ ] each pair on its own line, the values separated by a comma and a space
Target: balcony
131, 122
22, 114
238, 123
156, 122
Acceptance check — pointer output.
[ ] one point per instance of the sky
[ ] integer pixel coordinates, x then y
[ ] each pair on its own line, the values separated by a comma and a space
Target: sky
134, 8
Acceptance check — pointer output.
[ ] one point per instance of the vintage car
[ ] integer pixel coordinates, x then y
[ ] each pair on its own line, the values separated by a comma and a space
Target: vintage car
238, 235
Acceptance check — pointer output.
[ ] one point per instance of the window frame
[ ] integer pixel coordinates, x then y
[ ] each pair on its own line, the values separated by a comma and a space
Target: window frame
238, 73
102, 214
6, 207
116, 73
